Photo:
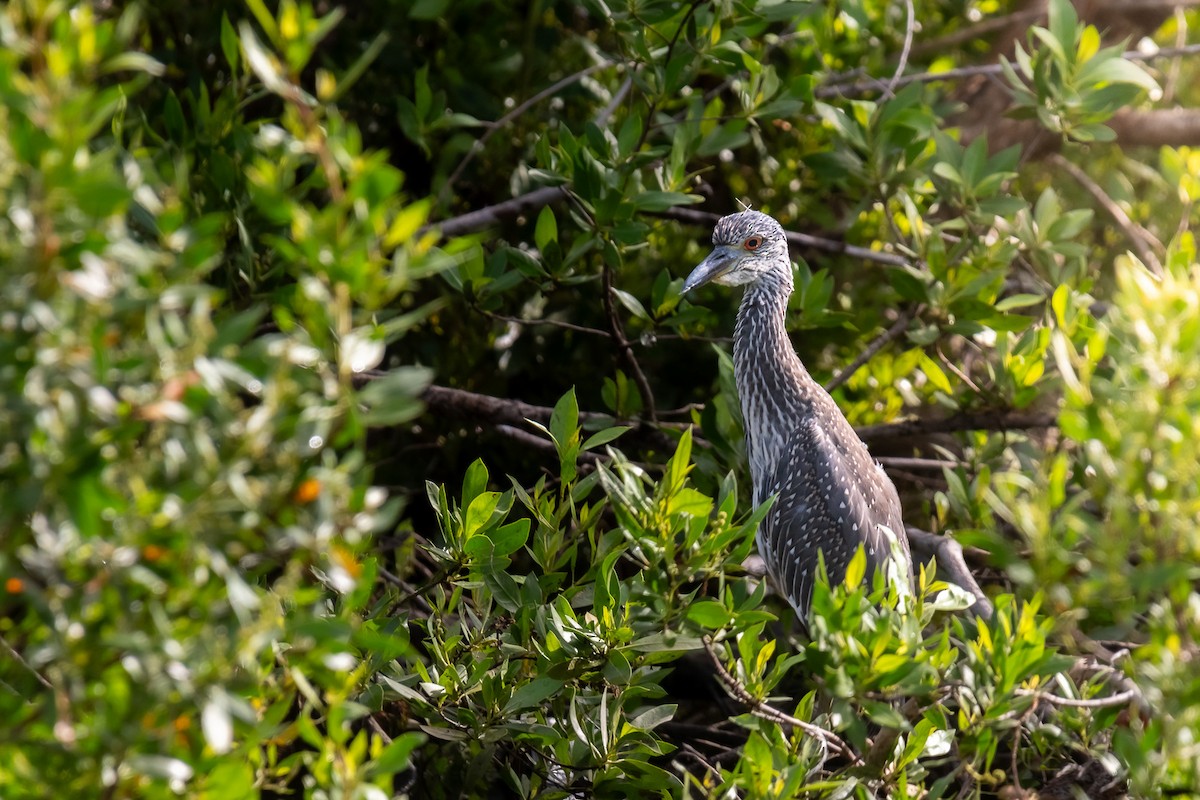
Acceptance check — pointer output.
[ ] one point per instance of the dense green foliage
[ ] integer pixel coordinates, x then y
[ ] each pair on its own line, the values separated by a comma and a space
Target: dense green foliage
246, 551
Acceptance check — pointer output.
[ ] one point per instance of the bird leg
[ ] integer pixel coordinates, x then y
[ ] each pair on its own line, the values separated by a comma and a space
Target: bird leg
949, 555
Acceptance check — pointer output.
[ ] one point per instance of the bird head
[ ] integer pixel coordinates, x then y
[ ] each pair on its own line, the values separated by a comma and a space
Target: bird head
747, 247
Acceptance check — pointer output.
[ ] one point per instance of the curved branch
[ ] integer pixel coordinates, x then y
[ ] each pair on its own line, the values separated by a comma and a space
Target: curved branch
708, 219
897, 329
1157, 127
837, 87
1139, 238
477, 145
967, 421
492, 215
760, 709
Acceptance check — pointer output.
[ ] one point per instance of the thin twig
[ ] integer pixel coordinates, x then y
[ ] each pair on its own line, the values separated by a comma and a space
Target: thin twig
375, 726
618, 332
1119, 699
589, 460
760, 709
20, 659
976, 31
909, 25
1172, 78
958, 373
708, 219
517, 111
900, 462
832, 88
897, 329
557, 323
1139, 238
611, 107
653, 105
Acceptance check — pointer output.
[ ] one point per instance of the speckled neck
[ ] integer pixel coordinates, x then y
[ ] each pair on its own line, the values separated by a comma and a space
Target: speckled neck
775, 389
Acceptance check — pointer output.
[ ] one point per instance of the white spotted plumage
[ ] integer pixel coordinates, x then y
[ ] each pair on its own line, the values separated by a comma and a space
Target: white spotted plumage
832, 496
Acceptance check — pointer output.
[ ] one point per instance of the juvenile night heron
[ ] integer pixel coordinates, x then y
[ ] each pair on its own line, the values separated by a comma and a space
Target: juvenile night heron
832, 496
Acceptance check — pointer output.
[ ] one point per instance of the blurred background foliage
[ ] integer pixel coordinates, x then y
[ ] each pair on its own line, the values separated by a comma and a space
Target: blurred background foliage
357, 442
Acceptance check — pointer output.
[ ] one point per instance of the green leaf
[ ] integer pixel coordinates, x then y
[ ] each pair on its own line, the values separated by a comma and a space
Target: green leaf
479, 513
428, 9
547, 228
474, 482
1019, 301
1059, 301
504, 589
1064, 23
1118, 70
856, 570
261, 62
396, 756
604, 437
651, 718
661, 201
632, 303
564, 423
394, 398
508, 539
229, 43
690, 501
532, 693
709, 614
631, 133
935, 374
885, 715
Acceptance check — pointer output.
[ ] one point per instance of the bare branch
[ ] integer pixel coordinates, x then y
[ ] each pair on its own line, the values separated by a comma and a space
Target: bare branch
492, 215
896, 330
447, 402
618, 333
967, 421
900, 462
538, 443
1124, 6
1119, 699
556, 323
1157, 127
521, 108
1139, 238
836, 87
979, 30
909, 25
12, 651
495, 410
708, 219
760, 709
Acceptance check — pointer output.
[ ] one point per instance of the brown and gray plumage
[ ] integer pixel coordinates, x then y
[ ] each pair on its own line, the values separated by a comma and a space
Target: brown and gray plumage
832, 496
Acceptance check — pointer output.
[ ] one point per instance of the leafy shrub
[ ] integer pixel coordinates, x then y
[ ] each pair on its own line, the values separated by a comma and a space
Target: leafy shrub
247, 553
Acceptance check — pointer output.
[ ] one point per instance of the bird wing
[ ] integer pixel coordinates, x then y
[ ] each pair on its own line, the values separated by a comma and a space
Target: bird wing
832, 496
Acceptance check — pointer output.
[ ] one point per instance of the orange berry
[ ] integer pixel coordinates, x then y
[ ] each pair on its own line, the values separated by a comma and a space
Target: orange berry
14, 585
307, 491
153, 552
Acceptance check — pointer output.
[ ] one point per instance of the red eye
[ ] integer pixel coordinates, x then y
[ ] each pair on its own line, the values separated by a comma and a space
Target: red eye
752, 243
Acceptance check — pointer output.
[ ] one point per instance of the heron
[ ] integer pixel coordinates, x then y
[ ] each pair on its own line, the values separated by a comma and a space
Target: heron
831, 496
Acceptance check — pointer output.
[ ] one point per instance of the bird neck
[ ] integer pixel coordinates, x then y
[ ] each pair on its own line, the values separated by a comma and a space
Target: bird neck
775, 389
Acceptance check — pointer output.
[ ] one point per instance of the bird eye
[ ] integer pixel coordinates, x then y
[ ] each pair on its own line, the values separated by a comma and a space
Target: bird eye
753, 243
